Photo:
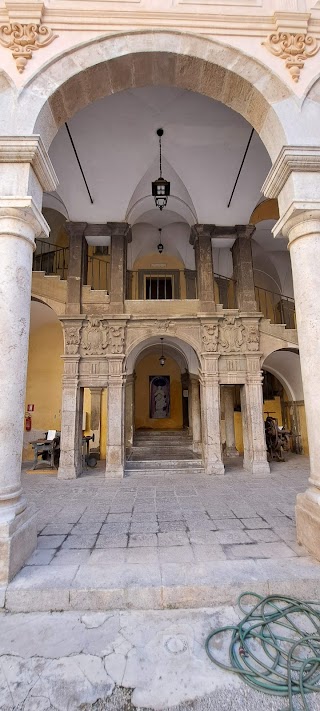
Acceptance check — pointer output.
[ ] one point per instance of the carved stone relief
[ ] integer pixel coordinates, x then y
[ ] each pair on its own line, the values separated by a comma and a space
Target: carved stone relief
100, 337
25, 39
252, 338
293, 48
94, 337
72, 339
210, 337
231, 334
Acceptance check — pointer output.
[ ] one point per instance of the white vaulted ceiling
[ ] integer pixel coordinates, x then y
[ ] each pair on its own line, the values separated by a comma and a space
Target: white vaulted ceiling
203, 146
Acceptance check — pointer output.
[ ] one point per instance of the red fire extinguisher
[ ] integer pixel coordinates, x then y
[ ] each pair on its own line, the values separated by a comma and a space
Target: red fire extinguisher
28, 422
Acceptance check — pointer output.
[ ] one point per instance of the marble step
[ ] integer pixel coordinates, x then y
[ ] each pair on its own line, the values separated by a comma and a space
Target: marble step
179, 449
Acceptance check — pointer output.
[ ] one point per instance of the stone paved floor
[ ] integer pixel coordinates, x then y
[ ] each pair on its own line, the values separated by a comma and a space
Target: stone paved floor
143, 519
157, 542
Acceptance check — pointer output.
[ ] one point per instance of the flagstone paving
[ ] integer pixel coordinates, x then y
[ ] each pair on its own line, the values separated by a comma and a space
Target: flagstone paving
159, 541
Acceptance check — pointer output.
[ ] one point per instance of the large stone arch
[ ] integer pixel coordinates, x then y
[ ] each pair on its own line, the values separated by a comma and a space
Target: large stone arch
187, 351
102, 66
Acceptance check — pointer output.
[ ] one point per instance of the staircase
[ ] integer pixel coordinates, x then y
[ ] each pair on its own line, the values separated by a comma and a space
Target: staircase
160, 452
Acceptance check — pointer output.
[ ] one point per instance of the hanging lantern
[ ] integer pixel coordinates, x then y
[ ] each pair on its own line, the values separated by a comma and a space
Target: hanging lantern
160, 246
160, 187
162, 358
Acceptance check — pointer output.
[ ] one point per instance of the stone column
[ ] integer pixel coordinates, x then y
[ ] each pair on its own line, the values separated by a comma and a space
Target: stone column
243, 268
70, 463
190, 277
78, 264
96, 418
201, 239
120, 236
21, 222
231, 450
295, 180
255, 451
129, 412
210, 417
304, 245
195, 412
115, 420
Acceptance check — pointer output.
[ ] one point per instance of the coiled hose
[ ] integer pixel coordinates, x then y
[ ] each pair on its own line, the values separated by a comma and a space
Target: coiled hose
276, 646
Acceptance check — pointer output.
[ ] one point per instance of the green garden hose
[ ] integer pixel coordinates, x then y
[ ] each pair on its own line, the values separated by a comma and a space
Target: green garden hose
275, 647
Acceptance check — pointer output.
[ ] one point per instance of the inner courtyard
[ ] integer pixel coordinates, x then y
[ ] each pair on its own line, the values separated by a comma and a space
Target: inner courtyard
159, 235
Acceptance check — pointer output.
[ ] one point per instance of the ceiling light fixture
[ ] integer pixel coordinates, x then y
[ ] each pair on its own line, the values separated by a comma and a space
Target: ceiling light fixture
160, 246
162, 358
160, 187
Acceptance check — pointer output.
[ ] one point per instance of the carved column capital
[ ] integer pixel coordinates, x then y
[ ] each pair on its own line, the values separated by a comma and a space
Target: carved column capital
201, 231
120, 229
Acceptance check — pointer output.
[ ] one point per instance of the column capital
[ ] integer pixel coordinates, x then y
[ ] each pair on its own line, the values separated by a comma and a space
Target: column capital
298, 223
20, 217
75, 229
299, 159
200, 231
30, 149
120, 229
245, 231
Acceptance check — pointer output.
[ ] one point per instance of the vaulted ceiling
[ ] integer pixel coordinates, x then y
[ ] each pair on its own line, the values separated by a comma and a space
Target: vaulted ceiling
203, 146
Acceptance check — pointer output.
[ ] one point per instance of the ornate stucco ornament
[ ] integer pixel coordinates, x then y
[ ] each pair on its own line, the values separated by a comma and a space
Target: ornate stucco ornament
293, 48
24, 39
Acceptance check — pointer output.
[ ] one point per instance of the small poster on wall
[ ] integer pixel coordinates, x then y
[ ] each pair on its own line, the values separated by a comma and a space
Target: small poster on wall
159, 387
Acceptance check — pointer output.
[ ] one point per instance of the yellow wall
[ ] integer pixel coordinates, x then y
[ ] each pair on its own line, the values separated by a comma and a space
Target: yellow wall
238, 431
274, 407
103, 419
150, 366
44, 379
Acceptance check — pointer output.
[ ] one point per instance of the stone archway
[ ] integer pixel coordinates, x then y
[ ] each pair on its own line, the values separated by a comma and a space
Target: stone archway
107, 65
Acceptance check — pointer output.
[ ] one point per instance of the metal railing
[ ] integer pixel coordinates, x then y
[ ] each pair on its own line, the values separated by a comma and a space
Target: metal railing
276, 307
98, 274
51, 259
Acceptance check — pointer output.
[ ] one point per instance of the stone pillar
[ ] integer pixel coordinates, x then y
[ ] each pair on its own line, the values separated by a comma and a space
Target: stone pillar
129, 412
210, 417
70, 464
304, 245
190, 277
231, 450
120, 236
243, 268
21, 222
201, 239
95, 418
255, 451
295, 180
78, 264
115, 420
194, 411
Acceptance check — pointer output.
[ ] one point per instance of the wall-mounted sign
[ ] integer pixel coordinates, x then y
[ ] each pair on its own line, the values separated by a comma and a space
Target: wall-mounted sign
30, 408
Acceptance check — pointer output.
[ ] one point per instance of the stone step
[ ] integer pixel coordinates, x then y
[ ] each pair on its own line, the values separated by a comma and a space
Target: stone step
156, 447
164, 464
126, 586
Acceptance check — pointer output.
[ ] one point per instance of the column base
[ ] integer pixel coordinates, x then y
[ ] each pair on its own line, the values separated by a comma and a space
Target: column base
197, 447
68, 473
256, 468
114, 472
231, 452
214, 468
308, 524
18, 540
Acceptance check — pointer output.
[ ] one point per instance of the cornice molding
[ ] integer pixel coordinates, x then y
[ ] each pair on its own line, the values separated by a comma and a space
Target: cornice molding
29, 149
302, 159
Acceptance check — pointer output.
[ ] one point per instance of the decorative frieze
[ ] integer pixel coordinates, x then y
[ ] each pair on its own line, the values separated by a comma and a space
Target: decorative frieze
72, 339
22, 40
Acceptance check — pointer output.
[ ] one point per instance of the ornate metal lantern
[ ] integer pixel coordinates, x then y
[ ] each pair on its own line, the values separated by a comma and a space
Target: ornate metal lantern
160, 246
160, 187
162, 358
